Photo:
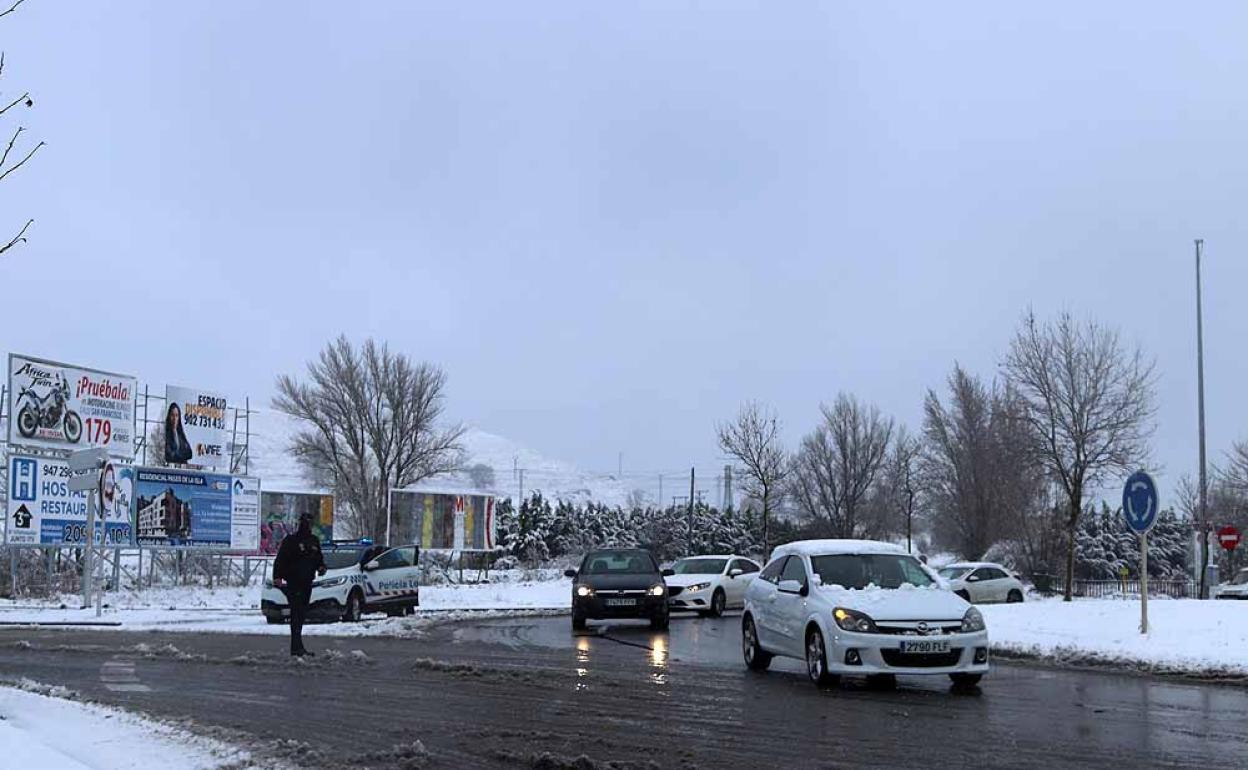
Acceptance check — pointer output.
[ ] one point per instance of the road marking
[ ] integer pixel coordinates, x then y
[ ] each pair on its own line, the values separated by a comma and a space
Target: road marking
118, 676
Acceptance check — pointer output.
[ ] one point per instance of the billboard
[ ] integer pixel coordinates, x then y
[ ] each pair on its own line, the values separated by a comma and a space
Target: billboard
42, 511
194, 428
59, 406
174, 507
279, 516
442, 520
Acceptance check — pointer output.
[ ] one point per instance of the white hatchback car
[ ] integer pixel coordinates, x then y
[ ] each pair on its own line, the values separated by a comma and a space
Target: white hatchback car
710, 584
860, 607
981, 582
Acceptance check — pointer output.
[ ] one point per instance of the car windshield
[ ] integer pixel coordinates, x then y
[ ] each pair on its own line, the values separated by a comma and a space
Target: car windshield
1240, 579
953, 573
618, 563
860, 570
342, 557
699, 566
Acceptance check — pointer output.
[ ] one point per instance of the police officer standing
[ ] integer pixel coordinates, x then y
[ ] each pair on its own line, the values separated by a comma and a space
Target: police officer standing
298, 562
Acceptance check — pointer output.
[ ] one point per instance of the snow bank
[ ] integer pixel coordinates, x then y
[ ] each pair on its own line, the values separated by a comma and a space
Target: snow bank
1186, 636
195, 609
37, 731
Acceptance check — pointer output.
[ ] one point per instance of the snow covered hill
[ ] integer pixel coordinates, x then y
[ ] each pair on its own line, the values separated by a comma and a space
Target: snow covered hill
270, 460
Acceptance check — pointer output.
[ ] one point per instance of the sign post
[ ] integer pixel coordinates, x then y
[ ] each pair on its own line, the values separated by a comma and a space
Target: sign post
1139, 509
87, 469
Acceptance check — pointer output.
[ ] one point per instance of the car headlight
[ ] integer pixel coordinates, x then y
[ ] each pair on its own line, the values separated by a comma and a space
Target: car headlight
698, 587
972, 621
853, 620
658, 589
330, 582
584, 590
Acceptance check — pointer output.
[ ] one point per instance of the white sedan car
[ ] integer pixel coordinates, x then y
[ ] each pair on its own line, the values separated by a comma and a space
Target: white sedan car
860, 607
1235, 588
358, 579
980, 582
710, 584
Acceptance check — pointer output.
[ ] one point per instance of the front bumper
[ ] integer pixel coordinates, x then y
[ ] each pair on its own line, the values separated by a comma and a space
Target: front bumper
598, 607
881, 654
320, 610
691, 600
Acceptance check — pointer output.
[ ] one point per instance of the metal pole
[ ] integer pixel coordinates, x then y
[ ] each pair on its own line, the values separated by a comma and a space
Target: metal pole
389, 508
1203, 516
89, 565
689, 545
1144, 583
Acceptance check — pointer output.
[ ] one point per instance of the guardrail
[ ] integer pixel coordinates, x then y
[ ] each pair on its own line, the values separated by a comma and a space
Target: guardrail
1182, 588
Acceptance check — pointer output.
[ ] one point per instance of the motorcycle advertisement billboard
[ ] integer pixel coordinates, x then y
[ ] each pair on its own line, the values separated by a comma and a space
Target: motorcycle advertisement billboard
442, 520
59, 406
174, 507
280, 512
194, 428
41, 510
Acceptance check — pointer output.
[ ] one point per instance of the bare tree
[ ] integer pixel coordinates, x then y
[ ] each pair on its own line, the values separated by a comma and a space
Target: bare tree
753, 439
9, 160
902, 480
838, 465
372, 426
980, 479
482, 476
1088, 403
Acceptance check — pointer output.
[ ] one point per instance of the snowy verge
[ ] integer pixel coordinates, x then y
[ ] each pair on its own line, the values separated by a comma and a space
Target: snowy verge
1187, 637
50, 733
236, 610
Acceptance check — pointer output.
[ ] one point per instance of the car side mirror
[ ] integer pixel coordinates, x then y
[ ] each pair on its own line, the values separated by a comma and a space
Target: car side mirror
973, 579
732, 573
668, 572
374, 564
569, 573
791, 587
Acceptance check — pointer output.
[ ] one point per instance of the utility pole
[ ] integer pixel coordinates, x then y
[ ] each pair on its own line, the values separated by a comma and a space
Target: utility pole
660, 490
690, 541
1203, 523
619, 466
520, 500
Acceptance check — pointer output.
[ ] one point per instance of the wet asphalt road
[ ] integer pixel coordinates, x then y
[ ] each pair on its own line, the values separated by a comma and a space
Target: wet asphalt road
501, 693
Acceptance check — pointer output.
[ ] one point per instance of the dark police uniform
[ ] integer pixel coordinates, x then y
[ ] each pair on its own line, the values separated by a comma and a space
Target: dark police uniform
298, 561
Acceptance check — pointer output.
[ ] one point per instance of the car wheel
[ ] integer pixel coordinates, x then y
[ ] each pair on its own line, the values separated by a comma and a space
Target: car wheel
578, 622
965, 680
718, 602
1014, 597
963, 594
817, 660
355, 608
756, 658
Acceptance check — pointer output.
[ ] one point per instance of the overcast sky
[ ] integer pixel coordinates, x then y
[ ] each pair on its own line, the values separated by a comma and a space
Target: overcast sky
612, 224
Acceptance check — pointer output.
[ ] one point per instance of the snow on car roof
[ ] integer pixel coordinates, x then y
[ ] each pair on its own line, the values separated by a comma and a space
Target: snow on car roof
972, 564
713, 556
825, 547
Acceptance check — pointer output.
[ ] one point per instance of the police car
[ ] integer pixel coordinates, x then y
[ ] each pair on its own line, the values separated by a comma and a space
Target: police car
360, 577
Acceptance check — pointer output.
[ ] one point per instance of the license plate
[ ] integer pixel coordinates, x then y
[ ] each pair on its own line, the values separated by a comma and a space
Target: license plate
621, 602
925, 646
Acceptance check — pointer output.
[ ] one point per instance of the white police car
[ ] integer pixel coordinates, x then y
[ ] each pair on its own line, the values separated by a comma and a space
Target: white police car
359, 578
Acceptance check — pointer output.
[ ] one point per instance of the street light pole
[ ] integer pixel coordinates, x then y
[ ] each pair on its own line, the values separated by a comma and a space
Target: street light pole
1203, 515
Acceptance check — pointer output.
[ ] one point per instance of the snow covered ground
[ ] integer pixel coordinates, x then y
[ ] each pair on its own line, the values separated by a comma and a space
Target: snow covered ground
236, 610
1206, 638
51, 733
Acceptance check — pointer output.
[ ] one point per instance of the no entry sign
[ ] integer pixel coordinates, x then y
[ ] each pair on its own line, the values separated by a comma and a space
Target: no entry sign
1229, 538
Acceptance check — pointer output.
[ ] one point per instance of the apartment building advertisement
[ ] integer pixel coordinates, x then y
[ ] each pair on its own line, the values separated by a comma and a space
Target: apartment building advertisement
188, 508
